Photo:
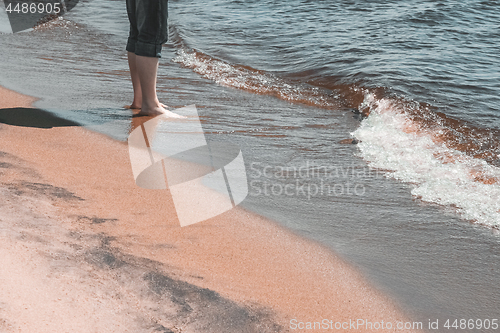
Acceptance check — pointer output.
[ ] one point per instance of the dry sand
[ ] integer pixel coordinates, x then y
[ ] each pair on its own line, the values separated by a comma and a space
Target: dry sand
83, 249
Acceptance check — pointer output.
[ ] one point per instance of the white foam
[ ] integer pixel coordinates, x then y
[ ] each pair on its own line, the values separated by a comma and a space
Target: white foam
253, 80
387, 142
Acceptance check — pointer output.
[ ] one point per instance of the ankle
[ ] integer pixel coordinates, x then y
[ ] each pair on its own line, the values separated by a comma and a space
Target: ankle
151, 104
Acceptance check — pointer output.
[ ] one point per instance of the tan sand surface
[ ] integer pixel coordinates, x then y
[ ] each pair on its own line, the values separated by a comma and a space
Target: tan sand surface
82, 183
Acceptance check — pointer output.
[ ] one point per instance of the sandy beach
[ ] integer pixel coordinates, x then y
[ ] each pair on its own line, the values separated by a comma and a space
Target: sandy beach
83, 249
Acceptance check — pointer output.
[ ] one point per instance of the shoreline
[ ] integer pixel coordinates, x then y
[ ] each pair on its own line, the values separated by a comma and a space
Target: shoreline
239, 255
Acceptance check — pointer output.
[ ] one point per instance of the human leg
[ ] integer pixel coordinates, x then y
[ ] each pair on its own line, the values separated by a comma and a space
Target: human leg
147, 69
136, 84
148, 22
133, 12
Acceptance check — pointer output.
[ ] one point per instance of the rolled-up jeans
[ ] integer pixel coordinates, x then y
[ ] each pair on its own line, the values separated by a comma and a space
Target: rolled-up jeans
148, 26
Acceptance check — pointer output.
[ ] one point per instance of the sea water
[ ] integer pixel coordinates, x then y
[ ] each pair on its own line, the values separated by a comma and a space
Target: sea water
414, 204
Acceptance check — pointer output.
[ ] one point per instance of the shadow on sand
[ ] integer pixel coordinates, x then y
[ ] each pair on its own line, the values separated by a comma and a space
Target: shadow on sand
31, 117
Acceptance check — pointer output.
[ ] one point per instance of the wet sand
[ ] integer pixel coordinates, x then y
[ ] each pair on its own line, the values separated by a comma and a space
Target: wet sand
84, 249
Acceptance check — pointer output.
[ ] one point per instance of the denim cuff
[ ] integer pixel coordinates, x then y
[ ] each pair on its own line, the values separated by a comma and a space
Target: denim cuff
144, 49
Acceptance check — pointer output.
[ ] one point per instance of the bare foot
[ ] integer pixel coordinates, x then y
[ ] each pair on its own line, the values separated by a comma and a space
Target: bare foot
159, 110
138, 107
132, 107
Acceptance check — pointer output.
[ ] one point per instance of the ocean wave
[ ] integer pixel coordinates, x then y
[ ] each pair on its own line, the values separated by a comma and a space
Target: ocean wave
392, 139
255, 81
449, 162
